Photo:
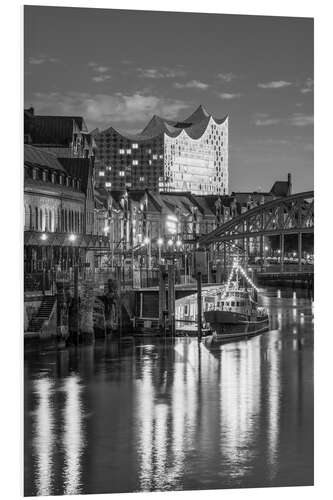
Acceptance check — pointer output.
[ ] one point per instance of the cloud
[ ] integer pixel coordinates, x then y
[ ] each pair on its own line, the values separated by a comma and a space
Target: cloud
295, 120
226, 77
193, 84
226, 95
42, 59
301, 120
101, 78
101, 72
162, 72
308, 86
274, 85
101, 69
105, 109
263, 122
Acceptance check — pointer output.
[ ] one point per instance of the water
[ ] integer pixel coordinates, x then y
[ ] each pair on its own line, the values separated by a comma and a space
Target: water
151, 415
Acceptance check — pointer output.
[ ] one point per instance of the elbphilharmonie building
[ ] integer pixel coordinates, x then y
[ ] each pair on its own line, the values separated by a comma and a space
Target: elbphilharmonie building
176, 156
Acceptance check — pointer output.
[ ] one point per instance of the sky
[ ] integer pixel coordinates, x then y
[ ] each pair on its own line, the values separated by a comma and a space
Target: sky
120, 67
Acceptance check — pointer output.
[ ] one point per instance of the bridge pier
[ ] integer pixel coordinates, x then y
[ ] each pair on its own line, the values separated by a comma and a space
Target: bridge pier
282, 252
300, 251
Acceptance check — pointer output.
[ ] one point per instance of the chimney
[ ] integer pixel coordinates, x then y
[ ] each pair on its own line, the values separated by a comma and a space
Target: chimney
289, 184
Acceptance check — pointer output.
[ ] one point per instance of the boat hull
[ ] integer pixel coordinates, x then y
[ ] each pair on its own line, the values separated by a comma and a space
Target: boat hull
227, 325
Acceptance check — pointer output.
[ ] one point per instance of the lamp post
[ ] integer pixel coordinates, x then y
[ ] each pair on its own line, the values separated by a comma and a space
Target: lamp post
265, 257
159, 244
147, 243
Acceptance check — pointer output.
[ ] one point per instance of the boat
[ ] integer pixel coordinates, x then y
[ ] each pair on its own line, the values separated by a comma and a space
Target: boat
235, 313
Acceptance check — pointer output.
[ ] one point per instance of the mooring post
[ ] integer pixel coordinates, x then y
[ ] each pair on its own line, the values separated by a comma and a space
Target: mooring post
171, 297
76, 303
199, 302
162, 296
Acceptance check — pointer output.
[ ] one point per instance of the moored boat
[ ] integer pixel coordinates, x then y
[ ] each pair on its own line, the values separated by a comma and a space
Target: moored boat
235, 313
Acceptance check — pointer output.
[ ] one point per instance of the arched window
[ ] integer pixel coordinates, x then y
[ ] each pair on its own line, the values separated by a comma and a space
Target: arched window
26, 217
46, 220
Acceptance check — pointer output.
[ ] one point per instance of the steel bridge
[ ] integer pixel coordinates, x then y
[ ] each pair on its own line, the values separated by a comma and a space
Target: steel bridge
293, 214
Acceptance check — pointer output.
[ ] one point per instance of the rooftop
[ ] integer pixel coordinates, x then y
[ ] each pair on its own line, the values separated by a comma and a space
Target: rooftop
194, 126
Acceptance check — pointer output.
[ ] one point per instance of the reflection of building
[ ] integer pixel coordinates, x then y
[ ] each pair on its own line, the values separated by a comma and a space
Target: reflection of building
189, 155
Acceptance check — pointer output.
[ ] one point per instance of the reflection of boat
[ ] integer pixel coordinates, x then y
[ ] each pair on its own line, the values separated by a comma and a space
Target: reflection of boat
235, 312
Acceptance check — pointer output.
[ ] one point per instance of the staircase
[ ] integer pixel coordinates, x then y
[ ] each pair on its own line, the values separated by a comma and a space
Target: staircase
43, 314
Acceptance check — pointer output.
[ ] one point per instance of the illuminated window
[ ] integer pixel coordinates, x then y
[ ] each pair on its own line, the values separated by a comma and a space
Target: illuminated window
142, 179
154, 157
135, 162
108, 184
121, 151
121, 173
128, 151
101, 173
135, 145
150, 162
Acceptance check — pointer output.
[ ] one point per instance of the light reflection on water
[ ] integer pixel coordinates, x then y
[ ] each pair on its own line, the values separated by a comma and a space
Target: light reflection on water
43, 436
72, 436
160, 415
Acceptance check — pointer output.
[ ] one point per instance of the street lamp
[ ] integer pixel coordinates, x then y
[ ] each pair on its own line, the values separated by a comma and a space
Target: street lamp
159, 244
43, 237
265, 256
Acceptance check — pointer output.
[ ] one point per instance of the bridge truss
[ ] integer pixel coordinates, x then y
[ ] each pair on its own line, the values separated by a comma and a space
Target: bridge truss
289, 215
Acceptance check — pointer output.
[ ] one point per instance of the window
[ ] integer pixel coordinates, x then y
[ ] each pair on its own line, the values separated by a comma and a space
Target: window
135, 145
101, 173
121, 151
142, 179
121, 173
232, 303
154, 157
135, 162
108, 184
128, 151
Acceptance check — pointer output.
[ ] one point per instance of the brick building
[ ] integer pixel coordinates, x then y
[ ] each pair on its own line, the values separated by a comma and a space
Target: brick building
65, 136
174, 156
59, 204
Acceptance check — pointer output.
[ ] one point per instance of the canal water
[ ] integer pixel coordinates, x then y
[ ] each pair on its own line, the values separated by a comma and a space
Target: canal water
161, 415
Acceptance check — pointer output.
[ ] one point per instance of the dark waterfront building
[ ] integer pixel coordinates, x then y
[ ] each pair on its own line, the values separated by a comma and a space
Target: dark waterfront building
174, 156
59, 204
65, 136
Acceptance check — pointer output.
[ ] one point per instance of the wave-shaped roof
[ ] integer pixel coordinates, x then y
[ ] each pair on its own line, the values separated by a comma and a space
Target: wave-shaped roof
194, 126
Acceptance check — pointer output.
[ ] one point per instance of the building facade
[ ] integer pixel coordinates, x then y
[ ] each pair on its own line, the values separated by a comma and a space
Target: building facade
171, 156
59, 204
64, 136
